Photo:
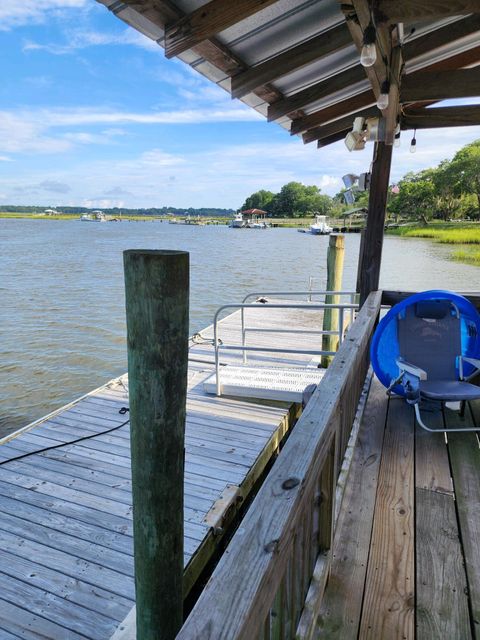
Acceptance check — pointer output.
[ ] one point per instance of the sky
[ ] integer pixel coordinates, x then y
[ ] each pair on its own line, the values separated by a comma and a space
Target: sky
92, 114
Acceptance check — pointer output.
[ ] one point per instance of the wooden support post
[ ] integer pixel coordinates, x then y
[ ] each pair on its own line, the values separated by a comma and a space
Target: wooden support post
157, 296
335, 256
370, 258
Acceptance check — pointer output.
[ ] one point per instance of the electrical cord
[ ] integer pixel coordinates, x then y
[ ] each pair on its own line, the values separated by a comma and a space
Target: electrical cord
122, 411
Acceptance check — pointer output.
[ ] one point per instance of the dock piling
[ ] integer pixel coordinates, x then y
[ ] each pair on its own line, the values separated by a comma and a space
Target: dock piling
157, 299
335, 257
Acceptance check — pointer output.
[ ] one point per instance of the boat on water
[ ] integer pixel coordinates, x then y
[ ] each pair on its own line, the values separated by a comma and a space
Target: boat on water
250, 219
238, 222
320, 226
95, 216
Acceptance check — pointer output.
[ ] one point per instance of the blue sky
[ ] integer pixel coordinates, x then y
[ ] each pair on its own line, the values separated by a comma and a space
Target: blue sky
92, 114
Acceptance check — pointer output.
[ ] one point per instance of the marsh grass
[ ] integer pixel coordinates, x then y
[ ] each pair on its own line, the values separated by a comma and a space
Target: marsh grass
468, 254
445, 234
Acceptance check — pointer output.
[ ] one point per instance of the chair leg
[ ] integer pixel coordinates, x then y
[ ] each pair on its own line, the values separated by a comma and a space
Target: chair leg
463, 404
424, 426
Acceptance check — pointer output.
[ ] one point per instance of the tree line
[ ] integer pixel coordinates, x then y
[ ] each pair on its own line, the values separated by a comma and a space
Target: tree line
449, 191
116, 211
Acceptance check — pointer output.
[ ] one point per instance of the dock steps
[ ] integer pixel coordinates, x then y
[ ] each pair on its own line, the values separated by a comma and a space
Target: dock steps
264, 383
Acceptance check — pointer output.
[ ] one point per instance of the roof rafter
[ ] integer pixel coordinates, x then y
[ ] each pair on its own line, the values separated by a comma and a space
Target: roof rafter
432, 118
338, 125
315, 92
295, 58
206, 21
411, 50
334, 111
441, 85
407, 10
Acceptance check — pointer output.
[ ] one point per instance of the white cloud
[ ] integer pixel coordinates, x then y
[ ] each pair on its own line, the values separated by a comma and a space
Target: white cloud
16, 13
77, 39
40, 131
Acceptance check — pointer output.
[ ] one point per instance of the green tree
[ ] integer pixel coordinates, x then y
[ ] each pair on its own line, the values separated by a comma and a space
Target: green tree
462, 174
296, 200
416, 196
259, 200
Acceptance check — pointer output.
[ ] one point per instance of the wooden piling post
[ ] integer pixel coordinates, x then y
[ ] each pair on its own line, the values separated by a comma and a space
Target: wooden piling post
370, 258
157, 298
335, 257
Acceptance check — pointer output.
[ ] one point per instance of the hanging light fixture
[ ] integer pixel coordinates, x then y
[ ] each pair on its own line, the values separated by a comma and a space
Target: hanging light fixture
382, 102
368, 55
413, 144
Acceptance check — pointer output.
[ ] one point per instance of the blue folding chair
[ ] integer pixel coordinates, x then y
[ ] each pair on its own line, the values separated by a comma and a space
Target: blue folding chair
427, 348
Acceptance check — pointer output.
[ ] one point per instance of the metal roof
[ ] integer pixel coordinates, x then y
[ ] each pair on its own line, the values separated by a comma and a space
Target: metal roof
253, 34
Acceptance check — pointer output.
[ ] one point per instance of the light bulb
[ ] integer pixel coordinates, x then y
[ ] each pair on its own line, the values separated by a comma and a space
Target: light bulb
382, 102
413, 146
368, 56
396, 142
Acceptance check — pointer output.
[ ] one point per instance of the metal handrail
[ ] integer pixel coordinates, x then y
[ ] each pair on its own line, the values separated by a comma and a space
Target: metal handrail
342, 307
351, 294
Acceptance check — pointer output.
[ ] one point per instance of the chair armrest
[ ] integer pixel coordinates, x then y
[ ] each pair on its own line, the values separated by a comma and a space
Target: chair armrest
474, 361
408, 367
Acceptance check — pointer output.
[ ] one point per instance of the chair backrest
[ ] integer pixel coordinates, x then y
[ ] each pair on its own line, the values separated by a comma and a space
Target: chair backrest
429, 336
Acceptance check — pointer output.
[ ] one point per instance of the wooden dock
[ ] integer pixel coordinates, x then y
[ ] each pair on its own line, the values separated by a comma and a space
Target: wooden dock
406, 554
66, 568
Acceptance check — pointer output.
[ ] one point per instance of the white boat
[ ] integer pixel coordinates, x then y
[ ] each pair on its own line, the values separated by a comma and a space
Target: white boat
320, 226
95, 216
238, 222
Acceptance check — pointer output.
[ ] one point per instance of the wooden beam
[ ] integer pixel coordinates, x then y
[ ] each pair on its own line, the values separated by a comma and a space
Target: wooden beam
316, 92
337, 110
462, 116
338, 125
295, 58
206, 21
411, 50
412, 10
336, 137
370, 257
441, 85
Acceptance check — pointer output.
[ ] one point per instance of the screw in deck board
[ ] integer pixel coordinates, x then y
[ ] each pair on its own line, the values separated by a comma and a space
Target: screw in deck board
157, 298
335, 257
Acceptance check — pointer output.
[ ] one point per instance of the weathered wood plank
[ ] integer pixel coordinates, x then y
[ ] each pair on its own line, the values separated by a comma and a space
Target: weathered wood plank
388, 609
465, 460
24, 624
206, 21
342, 604
76, 618
441, 584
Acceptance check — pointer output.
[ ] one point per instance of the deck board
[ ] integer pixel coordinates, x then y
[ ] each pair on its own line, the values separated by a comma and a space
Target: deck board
342, 604
66, 533
422, 560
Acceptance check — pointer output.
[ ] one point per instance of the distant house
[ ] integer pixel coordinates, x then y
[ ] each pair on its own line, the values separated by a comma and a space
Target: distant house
50, 212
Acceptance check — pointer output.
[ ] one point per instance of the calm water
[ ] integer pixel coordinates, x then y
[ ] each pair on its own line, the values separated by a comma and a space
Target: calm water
62, 312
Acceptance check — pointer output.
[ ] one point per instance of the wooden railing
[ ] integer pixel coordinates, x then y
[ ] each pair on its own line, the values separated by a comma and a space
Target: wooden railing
280, 550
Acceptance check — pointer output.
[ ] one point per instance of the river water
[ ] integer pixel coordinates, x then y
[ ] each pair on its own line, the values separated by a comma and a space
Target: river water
62, 313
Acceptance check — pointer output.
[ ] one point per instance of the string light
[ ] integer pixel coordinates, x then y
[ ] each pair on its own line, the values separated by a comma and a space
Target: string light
368, 55
382, 102
413, 144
